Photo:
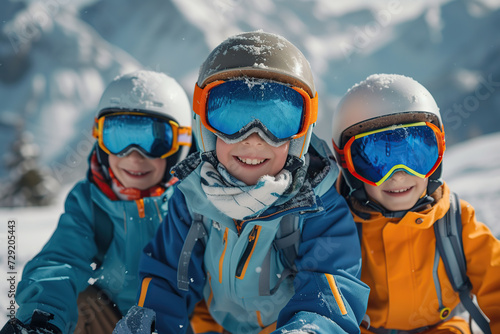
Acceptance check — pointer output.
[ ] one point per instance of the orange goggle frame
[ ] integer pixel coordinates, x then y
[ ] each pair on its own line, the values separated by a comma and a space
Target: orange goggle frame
346, 158
310, 111
181, 136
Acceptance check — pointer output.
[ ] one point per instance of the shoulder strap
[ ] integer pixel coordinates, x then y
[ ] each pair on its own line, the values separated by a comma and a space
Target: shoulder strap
196, 232
287, 241
103, 232
288, 238
448, 231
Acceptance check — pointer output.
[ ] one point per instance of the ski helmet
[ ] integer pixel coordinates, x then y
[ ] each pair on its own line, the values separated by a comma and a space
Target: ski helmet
149, 93
257, 55
380, 101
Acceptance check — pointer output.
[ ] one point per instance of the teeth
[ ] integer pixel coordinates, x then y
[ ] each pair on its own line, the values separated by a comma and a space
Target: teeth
136, 173
251, 161
399, 191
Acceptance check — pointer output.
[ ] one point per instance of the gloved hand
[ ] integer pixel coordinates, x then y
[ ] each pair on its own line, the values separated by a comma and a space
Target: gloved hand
139, 320
39, 325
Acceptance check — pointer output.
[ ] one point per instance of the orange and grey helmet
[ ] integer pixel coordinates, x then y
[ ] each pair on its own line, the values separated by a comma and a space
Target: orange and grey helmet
261, 56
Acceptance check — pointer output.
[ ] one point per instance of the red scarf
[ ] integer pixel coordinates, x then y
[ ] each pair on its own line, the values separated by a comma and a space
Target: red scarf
115, 191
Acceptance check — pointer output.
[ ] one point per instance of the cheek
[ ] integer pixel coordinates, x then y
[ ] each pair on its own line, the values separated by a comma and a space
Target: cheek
160, 167
113, 162
280, 156
222, 151
372, 191
422, 184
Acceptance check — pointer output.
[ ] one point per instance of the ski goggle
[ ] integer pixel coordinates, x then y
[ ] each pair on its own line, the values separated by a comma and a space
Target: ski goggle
374, 156
231, 108
120, 133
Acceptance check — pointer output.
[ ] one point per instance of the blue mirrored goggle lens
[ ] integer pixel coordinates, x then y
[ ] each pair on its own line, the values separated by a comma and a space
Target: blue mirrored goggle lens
151, 135
374, 155
234, 104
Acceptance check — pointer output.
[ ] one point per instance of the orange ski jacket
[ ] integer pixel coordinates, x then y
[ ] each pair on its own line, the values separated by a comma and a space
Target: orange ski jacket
398, 258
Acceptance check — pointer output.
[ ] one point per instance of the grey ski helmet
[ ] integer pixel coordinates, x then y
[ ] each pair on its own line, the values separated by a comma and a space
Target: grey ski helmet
151, 93
258, 55
382, 100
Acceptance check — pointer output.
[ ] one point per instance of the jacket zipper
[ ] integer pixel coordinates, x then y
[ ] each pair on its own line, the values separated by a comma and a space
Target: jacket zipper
247, 254
221, 260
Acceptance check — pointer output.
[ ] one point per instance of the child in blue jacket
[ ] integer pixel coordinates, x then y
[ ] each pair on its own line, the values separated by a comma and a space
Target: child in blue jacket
88, 270
260, 168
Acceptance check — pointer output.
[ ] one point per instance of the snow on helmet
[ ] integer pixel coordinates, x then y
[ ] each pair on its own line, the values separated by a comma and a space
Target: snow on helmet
151, 93
259, 55
382, 100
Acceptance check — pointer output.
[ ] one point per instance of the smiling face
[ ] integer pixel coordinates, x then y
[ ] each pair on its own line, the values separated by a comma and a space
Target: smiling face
136, 171
251, 158
400, 192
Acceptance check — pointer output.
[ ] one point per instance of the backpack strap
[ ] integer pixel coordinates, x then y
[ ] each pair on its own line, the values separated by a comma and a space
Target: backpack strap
196, 232
449, 244
103, 232
287, 242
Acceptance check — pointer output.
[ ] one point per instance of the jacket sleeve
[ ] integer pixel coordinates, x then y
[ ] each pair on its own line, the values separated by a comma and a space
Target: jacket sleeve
52, 280
482, 252
158, 271
329, 296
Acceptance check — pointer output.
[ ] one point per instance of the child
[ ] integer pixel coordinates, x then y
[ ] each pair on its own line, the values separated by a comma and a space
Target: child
143, 127
255, 106
389, 140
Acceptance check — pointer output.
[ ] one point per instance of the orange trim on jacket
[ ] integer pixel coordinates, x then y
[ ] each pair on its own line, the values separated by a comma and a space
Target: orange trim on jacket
398, 258
202, 321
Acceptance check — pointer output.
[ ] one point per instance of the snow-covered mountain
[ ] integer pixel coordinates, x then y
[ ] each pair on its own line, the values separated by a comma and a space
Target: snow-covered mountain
53, 69
57, 56
451, 47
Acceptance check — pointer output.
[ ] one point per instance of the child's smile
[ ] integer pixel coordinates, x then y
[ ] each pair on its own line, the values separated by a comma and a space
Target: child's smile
250, 161
400, 192
251, 158
136, 171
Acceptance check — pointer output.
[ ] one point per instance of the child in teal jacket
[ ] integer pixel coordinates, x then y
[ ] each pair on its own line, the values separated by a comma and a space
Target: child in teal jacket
88, 270
260, 169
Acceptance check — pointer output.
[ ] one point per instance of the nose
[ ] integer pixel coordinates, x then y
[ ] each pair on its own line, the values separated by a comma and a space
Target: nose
253, 139
135, 155
399, 174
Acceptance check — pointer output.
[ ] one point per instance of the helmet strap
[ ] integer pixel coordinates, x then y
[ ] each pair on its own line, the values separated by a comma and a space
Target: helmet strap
103, 159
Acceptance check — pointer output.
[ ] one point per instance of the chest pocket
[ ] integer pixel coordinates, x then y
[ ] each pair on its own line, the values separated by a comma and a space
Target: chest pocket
285, 243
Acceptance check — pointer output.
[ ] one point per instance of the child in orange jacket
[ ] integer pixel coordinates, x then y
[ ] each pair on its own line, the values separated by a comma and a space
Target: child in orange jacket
389, 142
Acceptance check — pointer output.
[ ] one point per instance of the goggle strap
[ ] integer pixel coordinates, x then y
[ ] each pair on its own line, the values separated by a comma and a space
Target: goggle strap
184, 136
340, 154
95, 129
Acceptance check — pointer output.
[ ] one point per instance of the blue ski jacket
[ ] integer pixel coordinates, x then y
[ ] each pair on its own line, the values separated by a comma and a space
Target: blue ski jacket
52, 280
228, 266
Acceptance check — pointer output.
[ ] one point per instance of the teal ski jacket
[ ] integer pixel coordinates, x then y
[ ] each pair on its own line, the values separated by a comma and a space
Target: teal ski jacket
228, 268
65, 266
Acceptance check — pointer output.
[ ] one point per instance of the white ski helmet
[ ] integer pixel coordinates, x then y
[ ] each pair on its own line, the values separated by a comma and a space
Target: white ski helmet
379, 101
151, 93
259, 55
